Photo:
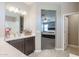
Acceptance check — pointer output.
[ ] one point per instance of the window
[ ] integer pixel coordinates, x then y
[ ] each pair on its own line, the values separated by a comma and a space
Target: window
45, 27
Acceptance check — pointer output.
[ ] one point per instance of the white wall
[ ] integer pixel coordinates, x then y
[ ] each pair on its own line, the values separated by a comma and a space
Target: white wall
32, 18
2, 20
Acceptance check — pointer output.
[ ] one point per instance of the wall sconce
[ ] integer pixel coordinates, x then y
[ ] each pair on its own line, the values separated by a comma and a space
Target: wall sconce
16, 10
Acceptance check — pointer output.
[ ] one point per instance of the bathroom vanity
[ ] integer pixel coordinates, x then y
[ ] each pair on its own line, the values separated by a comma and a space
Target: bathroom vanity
24, 44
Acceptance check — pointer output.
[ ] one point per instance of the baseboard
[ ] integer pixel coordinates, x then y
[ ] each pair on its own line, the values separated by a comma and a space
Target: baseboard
37, 50
55, 49
59, 49
73, 46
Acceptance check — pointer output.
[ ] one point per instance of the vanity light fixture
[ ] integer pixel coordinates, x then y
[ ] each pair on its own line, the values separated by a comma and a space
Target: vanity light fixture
11, 9
23, 12
16, 10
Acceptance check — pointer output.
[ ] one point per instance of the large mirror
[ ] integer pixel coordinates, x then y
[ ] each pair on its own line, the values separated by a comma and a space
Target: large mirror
14, 19
13, 23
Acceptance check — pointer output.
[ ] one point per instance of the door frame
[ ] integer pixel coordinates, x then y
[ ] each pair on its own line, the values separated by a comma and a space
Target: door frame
64, 29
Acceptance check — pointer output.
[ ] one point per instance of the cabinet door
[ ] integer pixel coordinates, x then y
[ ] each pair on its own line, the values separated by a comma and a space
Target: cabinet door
29, 45
18, 44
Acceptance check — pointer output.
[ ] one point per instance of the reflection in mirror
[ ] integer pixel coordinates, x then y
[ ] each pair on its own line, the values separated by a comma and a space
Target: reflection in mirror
21, 23
13, 24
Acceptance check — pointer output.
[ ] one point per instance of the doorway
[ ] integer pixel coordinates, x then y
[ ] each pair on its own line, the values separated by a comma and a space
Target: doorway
71, 33
48, 22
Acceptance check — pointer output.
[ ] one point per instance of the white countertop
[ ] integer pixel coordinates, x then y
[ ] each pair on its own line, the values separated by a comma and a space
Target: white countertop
19, 37
6, 50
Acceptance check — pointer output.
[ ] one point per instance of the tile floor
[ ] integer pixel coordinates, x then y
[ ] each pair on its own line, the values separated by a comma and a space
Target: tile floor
50, 53
73, 50
70, 51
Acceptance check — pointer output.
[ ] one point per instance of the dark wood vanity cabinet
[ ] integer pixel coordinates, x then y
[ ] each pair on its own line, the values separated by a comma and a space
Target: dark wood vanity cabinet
18, 44
29, 45
25, 45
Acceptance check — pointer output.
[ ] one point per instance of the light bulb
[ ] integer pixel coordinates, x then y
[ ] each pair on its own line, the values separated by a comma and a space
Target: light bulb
16, 10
